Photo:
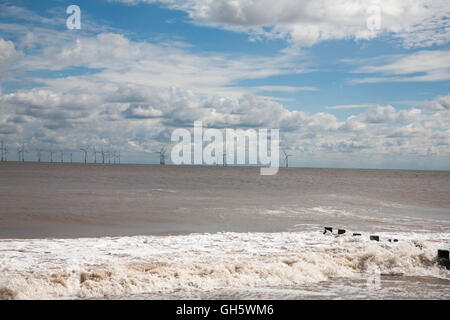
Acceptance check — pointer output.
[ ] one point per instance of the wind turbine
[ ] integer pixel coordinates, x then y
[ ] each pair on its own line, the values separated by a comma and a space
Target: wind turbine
62, 157
85, 150
3, 149
103, 156
51, 155
162, 156
95, 155
224, 159
39, 155
71, 157
22, 152
286, 158
119, 157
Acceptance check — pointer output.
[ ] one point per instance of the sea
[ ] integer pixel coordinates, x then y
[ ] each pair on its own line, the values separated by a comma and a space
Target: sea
105, 231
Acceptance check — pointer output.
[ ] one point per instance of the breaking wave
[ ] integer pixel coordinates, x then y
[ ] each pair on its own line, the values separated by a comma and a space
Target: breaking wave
123, 266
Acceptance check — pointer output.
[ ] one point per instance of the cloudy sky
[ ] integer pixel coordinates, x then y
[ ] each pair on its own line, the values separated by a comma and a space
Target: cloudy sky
345, 88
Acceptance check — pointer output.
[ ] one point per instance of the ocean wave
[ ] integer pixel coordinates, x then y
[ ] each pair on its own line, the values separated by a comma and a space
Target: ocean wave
164, 190
121, 266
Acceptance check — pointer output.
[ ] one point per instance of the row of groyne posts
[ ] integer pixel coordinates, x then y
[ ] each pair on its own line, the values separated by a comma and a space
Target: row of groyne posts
442, 257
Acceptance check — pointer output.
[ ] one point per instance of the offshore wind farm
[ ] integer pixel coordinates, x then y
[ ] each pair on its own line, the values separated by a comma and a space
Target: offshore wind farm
88, 155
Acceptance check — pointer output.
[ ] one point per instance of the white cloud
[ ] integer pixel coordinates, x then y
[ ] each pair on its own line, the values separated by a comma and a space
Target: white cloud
138, 118
383, 114
283, 88
306, 22
20, 13
119, 60
350, 106
429, 65
441, 103
8, 55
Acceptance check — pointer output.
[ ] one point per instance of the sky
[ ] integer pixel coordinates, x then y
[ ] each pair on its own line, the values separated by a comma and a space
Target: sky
352, 84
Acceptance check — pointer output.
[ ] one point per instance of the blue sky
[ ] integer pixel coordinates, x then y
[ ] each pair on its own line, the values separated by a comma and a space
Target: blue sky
341, 93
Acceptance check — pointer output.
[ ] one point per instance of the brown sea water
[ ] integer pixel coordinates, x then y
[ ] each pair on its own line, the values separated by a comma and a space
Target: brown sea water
149, 231
70, 200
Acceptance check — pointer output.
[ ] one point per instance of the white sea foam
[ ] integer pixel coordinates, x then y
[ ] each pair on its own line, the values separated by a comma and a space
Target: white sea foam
124, 266
165, 190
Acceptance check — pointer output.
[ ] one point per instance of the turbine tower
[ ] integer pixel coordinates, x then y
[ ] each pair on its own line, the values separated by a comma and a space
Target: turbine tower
62, 157
5, 151
22, 152
162, 156
2, 149
85, 150
95, 154
286, 158
51, 155
39, 155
